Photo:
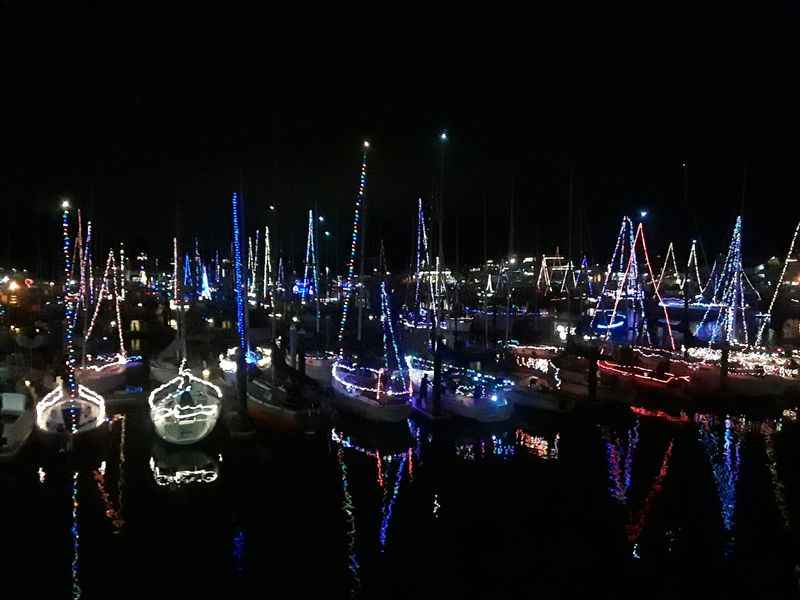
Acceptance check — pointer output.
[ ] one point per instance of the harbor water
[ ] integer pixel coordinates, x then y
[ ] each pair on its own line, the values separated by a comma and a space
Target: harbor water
623, 504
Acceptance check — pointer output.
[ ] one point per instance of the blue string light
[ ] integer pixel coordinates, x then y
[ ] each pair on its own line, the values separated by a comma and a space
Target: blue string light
238, 280
69, 310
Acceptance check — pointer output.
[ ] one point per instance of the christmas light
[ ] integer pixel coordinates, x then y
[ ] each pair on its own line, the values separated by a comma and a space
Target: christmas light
641, 373
238, 278
353, 245
777, 286
729, 292
670, 253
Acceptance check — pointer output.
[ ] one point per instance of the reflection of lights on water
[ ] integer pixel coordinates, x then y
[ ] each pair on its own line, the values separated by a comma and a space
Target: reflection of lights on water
777, 484
347, 506
436, 505
75, 531
387, 513
42, 475
725, 465
238, 551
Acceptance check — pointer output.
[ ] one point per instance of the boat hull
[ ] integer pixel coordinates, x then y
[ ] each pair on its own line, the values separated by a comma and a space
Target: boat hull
483, 412
283, 419
104, 381
356, 404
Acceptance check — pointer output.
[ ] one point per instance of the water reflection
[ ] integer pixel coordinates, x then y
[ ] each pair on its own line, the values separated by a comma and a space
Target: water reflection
724, 455
76, 536
621, 453
183, 466
347, 506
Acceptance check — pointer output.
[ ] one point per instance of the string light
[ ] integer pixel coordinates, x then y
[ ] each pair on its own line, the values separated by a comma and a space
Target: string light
729, 292
353, 245
670, 253
267, 264
777, 286
641, 373
76, 536
237, 270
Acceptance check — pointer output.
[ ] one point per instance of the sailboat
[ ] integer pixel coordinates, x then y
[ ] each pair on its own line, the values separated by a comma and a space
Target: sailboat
103, 372
379, 394
284, 399
70, 410
466, 393
185, 408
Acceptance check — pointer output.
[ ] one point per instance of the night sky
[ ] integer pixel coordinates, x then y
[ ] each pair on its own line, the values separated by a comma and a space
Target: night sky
135, 152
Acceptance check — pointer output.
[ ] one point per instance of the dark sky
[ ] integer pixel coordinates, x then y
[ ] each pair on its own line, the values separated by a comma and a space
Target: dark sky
132, 150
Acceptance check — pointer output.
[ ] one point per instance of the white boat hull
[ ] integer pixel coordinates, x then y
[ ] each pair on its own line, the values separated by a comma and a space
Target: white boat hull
484, 411
357, 404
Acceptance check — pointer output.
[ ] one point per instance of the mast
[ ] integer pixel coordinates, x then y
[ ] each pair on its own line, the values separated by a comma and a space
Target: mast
362, 290
443, 138
511, 221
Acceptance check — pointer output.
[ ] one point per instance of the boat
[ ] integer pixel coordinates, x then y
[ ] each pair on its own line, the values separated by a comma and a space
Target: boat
283, 407
284, 399
16, 425
643, 377
465, 393
105, 374
185, 409
61, 415
374, 394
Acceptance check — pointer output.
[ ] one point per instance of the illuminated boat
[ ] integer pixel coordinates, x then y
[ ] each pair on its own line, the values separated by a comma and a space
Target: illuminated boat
185, 409
104, 373
373, 394
642, 376
466, 393
60, 416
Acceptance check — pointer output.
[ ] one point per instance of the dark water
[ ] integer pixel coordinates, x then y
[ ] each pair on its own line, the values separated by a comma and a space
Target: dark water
631, 506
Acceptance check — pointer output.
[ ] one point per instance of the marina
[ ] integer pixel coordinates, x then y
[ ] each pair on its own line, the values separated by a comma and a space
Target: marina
367, 389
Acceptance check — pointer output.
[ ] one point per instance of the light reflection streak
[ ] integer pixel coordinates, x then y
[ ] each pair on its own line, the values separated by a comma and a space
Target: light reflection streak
777, 485
725, 466
347, 506
387, 513
75, 532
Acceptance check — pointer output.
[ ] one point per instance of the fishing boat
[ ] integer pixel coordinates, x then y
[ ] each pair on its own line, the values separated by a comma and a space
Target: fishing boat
185, 409
16, 424
465, 393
